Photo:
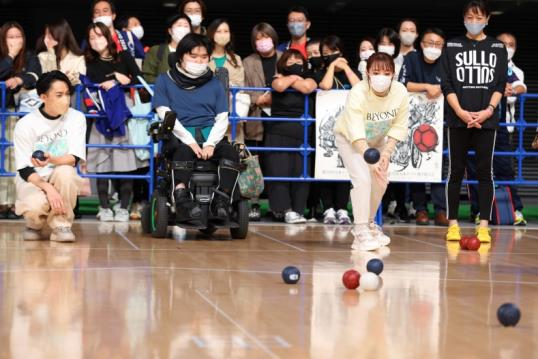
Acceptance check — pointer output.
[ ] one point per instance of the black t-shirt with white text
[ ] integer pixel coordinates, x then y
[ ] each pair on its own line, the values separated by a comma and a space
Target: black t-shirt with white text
474, 70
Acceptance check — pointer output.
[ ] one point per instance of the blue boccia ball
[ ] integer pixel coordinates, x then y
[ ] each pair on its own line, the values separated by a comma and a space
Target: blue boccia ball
291, 275
375, 266
508, 314
40, 155
372, 156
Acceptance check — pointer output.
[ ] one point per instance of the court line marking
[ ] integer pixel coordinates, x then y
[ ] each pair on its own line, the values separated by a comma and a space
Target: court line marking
145, 268
278, 241
239, 326
418, 240
127, 240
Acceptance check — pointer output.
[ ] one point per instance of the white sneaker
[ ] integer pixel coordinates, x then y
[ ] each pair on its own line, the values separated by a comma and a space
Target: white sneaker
136, 209
292, 217
105, 215
377, 233
342, 217
122, 215
364, 241
329, 216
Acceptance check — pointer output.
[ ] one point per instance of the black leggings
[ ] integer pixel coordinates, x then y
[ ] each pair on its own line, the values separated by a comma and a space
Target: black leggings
460, 140
124, 188
223, 150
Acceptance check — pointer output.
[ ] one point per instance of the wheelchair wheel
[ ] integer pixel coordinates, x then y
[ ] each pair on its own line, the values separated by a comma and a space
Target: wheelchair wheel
241, 215
159, 215
209, 230
146, 219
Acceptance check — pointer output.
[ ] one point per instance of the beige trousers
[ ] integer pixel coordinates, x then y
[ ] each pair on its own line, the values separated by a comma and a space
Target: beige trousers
368, 190
32, 202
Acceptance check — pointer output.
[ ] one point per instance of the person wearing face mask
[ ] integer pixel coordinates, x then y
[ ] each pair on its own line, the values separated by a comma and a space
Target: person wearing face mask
388, 41
104, 11
287, 199
298, 25
195, 10
59, 51
408, 33
338, 75
131, 23
375, 116
110, 69
199, 101
260, 68
421, 72
365, 50
47, 188
503, 169
474, 76
158, 58
19, 68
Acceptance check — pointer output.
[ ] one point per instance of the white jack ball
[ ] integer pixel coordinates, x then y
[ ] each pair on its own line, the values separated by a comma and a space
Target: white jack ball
369, 281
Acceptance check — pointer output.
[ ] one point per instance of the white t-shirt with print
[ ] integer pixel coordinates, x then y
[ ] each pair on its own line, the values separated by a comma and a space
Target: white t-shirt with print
59, 137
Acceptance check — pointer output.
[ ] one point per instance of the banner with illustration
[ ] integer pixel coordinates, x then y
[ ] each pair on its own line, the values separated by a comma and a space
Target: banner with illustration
418, 159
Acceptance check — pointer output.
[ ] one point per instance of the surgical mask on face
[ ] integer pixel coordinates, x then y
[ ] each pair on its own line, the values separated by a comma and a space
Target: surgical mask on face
105, 20
365, 55
295, 69
99, 44
315, 62
511, 51
138, 31
264, 45
380, 83
196, 20
297, 28
408, 38
387, 49
432, 53
474, 28
195, 69
222, 39
179, 32
328, 59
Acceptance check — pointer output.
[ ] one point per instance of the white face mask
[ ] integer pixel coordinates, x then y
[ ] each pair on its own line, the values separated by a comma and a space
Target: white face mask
365, 55
99, 44
387, 49
408, 38
196, 20
222, 39
179, 32
105, 20
195, 69
511, 51
432, 53
380, 83
138, 31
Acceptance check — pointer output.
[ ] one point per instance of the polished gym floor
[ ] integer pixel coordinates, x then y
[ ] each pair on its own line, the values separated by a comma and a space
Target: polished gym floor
116, 293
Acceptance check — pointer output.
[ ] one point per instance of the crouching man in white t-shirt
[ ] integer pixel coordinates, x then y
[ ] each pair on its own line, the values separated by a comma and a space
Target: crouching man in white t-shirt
47, 189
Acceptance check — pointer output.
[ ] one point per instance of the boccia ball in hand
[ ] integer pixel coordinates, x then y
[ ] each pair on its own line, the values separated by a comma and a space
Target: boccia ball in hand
39, 155
508, 314
291, 275
372, 156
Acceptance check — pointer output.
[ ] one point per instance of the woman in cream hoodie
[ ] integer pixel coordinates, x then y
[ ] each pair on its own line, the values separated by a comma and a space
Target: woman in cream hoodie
375, 116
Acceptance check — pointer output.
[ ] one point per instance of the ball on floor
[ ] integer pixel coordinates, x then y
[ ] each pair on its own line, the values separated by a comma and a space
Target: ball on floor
291, 275
369, 281
508, 314
375, 266
351, 278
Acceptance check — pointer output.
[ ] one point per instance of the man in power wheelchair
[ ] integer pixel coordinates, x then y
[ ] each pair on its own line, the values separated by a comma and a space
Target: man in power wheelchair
197, 167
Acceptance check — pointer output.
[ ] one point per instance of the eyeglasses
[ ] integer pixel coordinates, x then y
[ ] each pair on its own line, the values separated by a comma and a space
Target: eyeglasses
438, 45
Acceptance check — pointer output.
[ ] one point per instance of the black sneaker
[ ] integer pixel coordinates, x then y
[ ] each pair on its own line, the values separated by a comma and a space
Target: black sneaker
278, 216
220, 205
184, 203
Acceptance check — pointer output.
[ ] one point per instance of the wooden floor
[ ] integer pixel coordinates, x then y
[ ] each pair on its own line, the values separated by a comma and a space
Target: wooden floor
119, 294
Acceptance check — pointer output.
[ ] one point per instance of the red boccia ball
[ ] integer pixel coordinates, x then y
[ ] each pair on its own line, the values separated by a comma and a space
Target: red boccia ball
351, 278
473, 244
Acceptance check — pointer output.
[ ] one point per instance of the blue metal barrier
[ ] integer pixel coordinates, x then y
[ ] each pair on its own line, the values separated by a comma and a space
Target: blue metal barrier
305, 150
4, 143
